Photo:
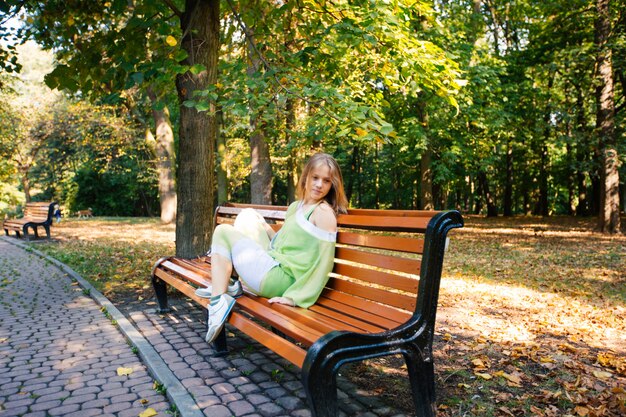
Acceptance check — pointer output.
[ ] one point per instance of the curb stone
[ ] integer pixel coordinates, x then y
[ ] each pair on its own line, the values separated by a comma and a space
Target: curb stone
175, 391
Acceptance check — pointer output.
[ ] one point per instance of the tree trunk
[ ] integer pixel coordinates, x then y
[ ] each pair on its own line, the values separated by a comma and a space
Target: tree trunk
508, 181
543, 204
200, 23
492, 210
25, 183
292, 165
426, 181
220, 163
427, 201
354, 172
165, 160
608, 219
581, 154
261, 172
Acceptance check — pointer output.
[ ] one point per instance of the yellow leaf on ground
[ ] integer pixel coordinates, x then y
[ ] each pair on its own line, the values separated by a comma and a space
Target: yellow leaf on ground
148, 413
478, 363
124, 371
483, 375
143, 401
602, 374
512, 378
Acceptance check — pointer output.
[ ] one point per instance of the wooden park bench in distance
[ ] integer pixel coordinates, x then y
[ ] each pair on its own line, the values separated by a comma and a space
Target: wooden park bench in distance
35, 215
381, 299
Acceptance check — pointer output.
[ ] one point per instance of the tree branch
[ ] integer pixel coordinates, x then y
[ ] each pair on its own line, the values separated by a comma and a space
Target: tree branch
173, 7
268, 67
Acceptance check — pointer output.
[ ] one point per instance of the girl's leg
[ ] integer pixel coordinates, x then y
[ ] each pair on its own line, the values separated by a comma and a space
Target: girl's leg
221, 271
224, 238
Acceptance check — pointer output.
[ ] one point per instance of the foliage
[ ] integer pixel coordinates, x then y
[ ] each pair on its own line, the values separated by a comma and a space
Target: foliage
378, 84
95, 158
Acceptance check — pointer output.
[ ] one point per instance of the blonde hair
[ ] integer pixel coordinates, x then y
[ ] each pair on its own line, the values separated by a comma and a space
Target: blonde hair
336, 197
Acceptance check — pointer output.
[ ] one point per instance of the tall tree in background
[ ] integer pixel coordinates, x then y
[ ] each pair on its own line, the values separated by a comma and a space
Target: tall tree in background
608, 221
200, 25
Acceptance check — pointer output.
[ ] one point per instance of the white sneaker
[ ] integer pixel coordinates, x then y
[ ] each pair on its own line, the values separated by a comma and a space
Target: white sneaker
234, 289
218, 314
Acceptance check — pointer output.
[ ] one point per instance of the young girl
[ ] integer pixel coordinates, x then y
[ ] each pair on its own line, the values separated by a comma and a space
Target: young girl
289, 267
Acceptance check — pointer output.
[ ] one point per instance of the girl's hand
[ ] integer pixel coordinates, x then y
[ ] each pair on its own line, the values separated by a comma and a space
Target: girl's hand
282, 300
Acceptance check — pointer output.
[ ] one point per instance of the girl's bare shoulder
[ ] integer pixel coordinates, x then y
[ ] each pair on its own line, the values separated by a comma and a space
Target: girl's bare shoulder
324, 217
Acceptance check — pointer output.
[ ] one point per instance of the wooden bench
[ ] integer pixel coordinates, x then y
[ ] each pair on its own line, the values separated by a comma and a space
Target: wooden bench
35, 215
381, 299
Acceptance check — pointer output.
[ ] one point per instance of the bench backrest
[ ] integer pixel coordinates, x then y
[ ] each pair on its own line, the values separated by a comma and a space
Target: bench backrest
41, 211
378, 259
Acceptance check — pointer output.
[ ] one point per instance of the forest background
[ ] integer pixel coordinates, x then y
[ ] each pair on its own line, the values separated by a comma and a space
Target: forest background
158, 108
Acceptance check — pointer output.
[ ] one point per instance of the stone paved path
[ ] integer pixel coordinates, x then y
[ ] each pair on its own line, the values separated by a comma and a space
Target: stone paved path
59, 356
59, 353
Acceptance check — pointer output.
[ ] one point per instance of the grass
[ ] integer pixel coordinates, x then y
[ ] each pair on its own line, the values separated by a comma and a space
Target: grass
531, 318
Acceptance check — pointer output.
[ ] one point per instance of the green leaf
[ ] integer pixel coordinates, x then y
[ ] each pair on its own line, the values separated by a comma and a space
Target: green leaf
197, 69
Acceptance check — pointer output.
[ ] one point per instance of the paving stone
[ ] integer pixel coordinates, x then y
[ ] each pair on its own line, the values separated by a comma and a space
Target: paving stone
34, 414
270, 409
257, 399
63, 410
217, 411
41, 406
97, 403
240, 408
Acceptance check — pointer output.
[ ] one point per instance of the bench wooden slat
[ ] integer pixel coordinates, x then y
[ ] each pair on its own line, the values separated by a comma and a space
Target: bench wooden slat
188, 275
379, 311
383, 222
326, 320
268, 214
403, 244
391, 212
296, 330
293, 353
375, 294
382, 280
364, 319
379, 260
200, 266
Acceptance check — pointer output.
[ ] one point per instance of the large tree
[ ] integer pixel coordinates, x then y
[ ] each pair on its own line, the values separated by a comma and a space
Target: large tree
200, 24
609, 216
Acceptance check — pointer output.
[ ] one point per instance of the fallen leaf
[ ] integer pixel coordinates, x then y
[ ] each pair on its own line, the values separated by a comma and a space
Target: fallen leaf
483, 375
149, 412
581, 411
505, 410
124, 371
143, 401
478, 363
602, 374
512, 378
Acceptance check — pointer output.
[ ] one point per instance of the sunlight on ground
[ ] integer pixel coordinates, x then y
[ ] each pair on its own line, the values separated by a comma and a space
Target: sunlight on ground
138, 230
508, 313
